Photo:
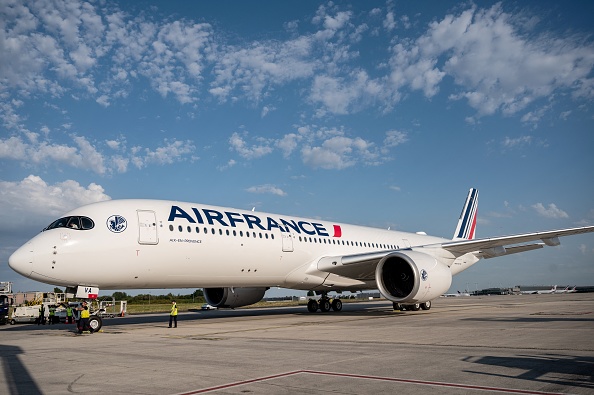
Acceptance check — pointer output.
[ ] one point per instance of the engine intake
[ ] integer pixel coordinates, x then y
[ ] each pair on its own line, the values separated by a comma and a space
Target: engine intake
412, 277
233, 297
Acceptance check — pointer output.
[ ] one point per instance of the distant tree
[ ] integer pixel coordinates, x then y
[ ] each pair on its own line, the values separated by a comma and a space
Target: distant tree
310, 293
119, 295
58, 290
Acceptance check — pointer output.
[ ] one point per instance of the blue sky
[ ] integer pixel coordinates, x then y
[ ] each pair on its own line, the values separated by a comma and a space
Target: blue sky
377, 113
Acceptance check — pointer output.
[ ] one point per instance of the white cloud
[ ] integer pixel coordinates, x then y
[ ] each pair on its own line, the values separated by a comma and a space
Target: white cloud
552, 211
171, 152
33, 195
326, 148
267, 188
516, 142
255, 151
84, 155
497, 65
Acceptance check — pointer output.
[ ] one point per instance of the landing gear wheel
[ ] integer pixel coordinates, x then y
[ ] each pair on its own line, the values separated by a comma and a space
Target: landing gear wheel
95, 323
426, 305
414, 307
312, 306
12, 322
336, 305
325, 305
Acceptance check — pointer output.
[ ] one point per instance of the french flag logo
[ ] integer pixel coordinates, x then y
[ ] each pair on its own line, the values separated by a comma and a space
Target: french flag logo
337, 231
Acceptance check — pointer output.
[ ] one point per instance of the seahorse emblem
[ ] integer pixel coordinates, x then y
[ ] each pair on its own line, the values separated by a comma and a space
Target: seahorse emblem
117, 223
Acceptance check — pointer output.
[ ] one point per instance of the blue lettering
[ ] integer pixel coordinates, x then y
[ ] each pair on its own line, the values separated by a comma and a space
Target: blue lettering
213, 215
177, 212
320, 229
291, 225
302, 223
197, 214
273, 224
251, 220
233, 220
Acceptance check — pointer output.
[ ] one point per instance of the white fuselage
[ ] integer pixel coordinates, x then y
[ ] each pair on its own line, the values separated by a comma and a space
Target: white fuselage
166, 244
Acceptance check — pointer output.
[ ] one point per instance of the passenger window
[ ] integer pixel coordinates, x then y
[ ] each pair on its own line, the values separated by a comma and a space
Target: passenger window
171, 228
180, 228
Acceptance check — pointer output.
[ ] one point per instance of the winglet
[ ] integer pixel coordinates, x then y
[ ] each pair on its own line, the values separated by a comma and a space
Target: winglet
467, 222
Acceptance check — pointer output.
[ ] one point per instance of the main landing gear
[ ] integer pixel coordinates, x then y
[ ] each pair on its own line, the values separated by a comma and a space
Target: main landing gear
412, 307
325, 304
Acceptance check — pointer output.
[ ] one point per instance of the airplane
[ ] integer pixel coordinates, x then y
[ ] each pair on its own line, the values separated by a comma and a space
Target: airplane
236, 255
542, 291
567, 290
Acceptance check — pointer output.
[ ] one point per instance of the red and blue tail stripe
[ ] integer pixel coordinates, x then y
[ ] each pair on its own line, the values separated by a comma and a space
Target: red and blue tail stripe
467, 222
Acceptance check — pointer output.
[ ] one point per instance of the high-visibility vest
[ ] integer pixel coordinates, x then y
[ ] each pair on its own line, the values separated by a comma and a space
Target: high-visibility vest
69, 312
85, 313
52, 311
174, 309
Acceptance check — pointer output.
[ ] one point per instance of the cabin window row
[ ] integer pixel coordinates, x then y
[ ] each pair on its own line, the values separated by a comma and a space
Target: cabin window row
261, 235
348, 243
227, 232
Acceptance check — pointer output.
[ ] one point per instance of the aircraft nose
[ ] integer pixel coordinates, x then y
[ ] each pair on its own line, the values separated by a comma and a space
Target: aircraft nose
21, 261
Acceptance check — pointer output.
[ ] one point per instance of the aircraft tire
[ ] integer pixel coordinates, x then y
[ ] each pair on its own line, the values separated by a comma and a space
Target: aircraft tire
325, 305
426, 305
414, 307
95, 323
337, 305
12, 322
312, 306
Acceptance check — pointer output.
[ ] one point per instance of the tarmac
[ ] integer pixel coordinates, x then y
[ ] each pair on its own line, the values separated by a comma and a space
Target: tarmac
525, 344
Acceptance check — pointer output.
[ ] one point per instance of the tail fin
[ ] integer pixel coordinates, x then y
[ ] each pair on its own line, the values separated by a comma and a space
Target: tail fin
467, 222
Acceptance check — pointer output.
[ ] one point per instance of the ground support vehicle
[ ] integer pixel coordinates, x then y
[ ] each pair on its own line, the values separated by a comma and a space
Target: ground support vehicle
24, 314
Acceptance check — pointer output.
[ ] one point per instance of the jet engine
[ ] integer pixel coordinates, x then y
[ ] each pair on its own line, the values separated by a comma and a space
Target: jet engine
233, 297
412, 277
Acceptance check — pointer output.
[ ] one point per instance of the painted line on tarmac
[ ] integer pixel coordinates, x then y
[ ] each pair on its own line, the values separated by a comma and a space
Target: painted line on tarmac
376, 378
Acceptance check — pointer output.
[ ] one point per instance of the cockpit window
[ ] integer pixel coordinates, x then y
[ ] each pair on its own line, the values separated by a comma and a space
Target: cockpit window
73, 222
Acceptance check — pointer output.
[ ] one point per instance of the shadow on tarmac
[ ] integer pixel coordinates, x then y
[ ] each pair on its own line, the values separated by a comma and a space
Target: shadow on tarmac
578, 370
17, 377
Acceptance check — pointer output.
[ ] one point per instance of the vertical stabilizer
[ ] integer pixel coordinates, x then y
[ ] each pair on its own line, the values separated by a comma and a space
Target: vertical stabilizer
467, 222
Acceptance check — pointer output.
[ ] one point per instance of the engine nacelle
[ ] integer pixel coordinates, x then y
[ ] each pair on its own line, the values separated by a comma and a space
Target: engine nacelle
233, 297
412, 277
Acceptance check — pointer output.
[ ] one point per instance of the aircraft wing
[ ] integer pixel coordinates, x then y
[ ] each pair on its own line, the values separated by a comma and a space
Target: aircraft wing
505, 245
362, 266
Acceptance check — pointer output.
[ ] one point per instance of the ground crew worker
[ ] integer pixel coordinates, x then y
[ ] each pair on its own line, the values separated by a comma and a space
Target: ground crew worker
52, 314
69, 314
83, 323
41, 318
173, 314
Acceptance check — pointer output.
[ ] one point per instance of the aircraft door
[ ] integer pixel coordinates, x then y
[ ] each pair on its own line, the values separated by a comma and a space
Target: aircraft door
287, 238
147, 227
